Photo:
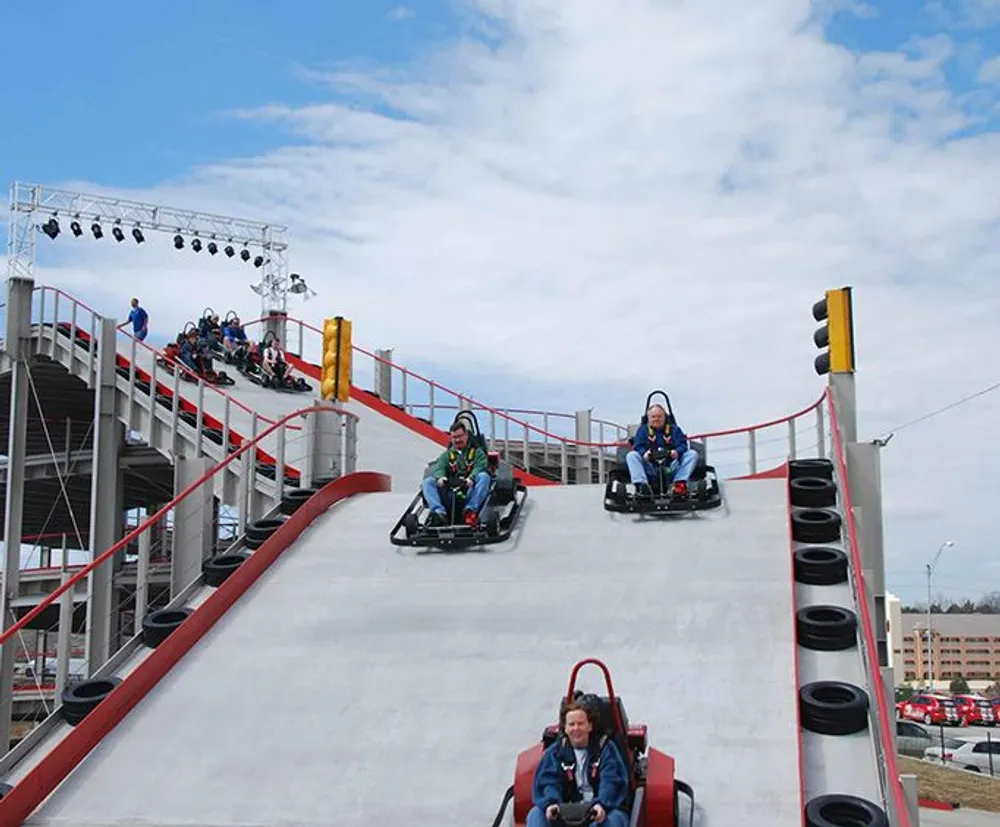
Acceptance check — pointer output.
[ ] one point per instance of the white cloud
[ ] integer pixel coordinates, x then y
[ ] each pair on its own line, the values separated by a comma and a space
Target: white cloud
401, 13
645, 194
989, 72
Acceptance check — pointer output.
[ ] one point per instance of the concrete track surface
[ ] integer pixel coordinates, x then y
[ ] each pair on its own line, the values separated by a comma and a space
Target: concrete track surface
358, 683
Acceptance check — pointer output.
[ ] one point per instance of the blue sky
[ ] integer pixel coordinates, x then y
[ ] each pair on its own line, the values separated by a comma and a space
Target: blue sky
132, 97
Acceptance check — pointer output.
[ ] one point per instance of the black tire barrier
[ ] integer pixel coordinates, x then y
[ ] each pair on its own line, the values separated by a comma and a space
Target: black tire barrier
826, 628
844, 811
816, 525
217, 569
80, 699
260, 530
4, 789
812, 492
157, 626
822, 468
320, 482
833, 708
292, 500
820, 566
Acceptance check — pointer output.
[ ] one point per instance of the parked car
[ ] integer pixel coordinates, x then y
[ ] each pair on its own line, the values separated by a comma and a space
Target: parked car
913, 739
975, 756
931, 709
975, 710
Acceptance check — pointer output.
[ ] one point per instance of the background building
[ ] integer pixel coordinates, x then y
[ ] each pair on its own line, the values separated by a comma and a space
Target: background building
962, 645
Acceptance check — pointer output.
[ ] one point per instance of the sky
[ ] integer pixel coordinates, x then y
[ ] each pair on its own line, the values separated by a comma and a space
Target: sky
563, 204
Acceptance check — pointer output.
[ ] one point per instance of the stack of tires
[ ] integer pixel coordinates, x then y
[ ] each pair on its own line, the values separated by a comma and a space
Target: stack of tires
826, 707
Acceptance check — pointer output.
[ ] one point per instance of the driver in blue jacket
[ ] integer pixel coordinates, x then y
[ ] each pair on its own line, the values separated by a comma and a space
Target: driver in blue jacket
657, 434
467, 462
582, 765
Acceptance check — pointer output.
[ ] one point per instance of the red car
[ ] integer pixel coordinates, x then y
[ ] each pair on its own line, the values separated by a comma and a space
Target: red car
975, 710
931, 709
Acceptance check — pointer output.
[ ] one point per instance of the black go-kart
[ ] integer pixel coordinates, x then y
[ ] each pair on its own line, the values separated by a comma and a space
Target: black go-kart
253, 371
701, 492
504, 501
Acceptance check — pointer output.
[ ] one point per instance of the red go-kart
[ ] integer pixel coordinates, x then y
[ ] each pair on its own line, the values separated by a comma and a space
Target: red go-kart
653, 795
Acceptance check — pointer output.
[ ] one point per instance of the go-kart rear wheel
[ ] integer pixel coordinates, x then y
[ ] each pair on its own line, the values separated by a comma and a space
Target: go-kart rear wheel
411, 525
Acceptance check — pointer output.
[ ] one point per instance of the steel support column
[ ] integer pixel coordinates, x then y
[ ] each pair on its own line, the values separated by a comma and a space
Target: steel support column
106, 498
864, 475
323, 445
193, 523
276, 322
17, 344
845, 402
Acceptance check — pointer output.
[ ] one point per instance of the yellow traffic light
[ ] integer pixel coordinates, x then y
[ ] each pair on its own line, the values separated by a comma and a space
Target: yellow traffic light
837, 335
335, 366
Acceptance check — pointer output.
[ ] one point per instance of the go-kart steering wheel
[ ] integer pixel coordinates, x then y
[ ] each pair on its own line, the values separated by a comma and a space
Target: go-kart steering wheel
575, 814
660, 455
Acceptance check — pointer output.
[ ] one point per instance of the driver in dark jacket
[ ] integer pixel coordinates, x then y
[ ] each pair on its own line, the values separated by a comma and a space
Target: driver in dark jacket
657, 435
466, 462
582, 765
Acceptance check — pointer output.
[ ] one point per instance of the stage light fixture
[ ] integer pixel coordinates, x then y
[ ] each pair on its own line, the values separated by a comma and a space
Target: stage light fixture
76, 228
213, 248
230, 251
258, 261
245, 254
51, 228
196, 245
137, 235
179, 242
95, 228
116, 231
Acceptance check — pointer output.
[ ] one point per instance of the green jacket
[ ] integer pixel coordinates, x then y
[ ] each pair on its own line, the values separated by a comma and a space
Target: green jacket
469, 462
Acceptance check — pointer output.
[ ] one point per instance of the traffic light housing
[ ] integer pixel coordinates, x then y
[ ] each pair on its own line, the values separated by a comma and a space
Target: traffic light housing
335, 366
837, 335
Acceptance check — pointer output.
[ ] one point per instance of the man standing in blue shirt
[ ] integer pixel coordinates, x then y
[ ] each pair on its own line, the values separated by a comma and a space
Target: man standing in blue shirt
139, 319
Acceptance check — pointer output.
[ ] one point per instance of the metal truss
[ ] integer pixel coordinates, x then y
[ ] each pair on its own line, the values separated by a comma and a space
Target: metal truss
31, 204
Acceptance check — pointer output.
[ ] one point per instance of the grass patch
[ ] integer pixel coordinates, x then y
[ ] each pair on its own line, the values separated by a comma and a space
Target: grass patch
978, 792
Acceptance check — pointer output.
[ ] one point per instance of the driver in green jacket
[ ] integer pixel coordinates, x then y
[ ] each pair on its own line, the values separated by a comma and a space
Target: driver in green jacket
462, 465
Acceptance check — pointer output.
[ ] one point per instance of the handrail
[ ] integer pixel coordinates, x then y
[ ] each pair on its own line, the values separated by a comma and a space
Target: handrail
44, 288
155, 518
533, 428
885, 726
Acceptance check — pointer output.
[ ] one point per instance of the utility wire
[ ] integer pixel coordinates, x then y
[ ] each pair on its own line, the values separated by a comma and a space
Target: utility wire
962, 401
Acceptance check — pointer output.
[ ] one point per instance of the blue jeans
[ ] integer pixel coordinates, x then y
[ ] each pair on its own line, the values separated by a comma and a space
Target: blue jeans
474, 502
141, 334
641, 470
536, 818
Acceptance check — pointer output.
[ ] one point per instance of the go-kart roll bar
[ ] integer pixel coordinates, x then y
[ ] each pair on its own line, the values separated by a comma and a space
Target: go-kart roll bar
619, 724
649, 401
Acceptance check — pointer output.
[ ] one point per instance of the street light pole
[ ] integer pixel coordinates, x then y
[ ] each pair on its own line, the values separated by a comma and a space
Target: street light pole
930, 571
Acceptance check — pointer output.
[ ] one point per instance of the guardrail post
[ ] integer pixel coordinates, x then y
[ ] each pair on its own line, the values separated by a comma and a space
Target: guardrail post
584, 464
65, 626
912, 796
193, 529
142, 580
383, 375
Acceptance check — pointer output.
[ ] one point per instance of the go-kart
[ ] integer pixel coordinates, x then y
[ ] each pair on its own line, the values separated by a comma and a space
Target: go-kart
653, 790
253, 371
172, 357
504, 501
701, 491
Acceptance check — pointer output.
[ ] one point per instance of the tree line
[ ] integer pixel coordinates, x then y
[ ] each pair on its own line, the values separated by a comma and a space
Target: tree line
988, 604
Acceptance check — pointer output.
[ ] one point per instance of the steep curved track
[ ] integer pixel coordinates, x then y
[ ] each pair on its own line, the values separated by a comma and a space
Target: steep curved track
358, 682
